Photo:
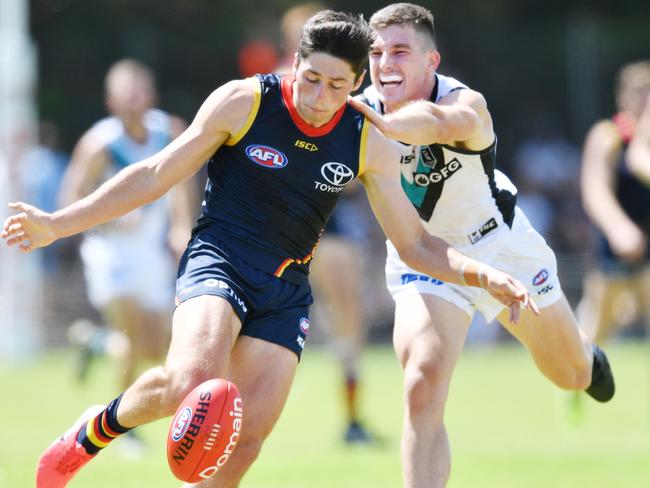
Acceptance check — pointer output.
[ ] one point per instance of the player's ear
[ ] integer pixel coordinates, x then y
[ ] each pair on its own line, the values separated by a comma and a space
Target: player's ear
294, 65
434, 59
359, 82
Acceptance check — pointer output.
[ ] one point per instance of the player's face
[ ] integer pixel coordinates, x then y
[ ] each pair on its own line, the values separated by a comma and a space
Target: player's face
635, 95
402, 64
323, 83
130, 96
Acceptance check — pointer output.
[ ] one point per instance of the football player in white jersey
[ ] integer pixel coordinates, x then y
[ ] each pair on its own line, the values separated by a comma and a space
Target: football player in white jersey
448, 172
129, 269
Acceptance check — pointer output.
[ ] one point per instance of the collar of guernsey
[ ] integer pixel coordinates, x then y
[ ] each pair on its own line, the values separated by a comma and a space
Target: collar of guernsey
274, 184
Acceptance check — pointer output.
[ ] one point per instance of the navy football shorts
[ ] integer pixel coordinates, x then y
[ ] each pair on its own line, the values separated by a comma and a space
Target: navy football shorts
270, 308
610, 264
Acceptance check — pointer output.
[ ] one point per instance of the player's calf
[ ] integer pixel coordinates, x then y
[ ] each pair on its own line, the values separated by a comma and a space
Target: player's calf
602, 385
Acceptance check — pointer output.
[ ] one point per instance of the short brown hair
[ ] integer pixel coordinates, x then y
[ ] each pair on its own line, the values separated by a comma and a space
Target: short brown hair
405, 14
340, 34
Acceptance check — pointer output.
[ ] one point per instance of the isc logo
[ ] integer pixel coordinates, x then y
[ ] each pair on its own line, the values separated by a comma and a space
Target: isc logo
309, 146
266, 156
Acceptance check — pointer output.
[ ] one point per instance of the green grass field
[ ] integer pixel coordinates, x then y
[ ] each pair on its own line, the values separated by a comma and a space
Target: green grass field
508, 426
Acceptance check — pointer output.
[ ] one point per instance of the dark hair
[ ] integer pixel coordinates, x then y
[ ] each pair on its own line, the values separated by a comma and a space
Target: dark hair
343, 35
405, 13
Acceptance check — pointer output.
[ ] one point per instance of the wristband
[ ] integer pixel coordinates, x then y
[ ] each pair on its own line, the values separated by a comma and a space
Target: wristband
461, 271
482, 275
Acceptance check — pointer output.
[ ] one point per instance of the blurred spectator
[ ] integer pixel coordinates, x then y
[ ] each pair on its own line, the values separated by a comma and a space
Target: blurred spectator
42, 168
616, 195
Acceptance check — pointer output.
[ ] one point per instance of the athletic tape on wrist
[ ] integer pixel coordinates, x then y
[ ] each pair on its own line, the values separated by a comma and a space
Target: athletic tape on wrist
461, 271
482, 275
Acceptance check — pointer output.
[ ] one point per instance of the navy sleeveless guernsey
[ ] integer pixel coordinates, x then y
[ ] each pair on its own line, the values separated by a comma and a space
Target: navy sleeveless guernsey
273, 186
632, 193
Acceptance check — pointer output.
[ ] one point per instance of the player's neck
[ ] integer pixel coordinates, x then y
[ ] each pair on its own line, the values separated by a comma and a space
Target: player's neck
136, 130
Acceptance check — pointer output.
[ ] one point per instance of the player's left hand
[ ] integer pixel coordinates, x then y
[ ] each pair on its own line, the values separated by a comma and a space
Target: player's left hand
509, 291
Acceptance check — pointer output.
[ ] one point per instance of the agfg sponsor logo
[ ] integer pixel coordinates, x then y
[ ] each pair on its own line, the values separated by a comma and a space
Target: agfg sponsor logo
540, 277
236, 413
443, 174
336, 175
266, 156
190, 429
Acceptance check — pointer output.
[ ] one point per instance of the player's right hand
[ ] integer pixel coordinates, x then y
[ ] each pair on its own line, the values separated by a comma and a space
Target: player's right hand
29, 229
509, 291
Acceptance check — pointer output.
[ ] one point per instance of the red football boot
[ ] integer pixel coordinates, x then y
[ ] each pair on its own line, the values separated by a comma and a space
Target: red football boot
65, 456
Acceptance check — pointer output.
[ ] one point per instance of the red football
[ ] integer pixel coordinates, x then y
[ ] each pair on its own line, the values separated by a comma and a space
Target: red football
205, 430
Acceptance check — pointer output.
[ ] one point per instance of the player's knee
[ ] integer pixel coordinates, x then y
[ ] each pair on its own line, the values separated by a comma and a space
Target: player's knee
573, 377
179, 381
424, 385
248, 450
581, 377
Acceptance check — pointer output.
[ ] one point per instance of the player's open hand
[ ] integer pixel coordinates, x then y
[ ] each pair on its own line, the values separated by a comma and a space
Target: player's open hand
30, 229
509, 291
378, 120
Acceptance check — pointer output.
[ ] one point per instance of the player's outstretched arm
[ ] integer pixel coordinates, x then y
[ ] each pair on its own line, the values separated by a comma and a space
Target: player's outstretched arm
223, 113
460, 116
638, 155
419, 249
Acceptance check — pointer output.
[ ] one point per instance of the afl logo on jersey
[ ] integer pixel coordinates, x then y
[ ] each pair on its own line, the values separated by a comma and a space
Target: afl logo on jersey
266, 156
337, 174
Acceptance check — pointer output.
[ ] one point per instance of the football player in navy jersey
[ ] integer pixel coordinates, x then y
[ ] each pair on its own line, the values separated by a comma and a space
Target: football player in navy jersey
615, 185
448, 149
242, 292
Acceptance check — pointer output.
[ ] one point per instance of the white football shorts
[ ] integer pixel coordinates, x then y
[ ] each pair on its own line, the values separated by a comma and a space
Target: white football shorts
519, 251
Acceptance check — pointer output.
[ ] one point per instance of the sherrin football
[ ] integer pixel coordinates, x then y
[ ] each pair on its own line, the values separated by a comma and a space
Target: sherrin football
205, 430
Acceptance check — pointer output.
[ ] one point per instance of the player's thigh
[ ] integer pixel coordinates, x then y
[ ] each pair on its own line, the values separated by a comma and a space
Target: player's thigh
155, 333
204, 331
263, 372
553, 336
644, 294
122, 313
335, 272
429, 332
598, 308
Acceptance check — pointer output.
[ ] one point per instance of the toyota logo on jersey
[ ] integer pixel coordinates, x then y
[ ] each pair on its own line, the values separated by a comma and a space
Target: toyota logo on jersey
266, 156
337, 174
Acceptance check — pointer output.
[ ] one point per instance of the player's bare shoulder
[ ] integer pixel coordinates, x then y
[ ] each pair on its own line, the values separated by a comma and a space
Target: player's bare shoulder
603, 138
228, 108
